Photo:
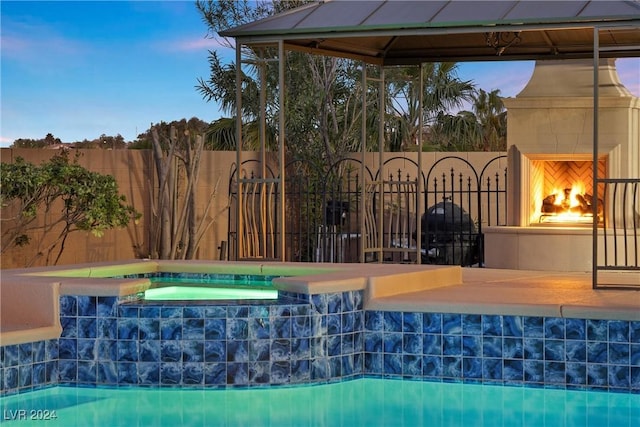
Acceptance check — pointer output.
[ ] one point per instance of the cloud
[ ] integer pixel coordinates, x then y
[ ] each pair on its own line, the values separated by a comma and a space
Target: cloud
36, 45
195, 44
5, 141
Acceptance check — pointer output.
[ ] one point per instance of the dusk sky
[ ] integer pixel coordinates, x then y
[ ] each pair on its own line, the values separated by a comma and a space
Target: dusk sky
78, 70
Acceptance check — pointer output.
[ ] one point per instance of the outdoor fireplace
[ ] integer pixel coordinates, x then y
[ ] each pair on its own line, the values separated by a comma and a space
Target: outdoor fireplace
550, 166
562, 192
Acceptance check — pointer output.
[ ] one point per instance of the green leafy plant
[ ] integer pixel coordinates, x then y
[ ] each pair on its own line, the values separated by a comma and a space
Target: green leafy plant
42, 205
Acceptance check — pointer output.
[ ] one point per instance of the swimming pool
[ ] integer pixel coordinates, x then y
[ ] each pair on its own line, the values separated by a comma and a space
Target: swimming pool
362, 402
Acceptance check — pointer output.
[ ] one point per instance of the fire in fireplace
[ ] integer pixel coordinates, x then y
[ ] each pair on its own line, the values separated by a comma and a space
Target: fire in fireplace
572, 205
562, 190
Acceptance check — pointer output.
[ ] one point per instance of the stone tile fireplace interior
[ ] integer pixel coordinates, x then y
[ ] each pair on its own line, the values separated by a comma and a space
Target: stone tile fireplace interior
550, 167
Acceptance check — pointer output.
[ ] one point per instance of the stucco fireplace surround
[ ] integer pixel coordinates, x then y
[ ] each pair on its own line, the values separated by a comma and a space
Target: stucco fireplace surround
550, 145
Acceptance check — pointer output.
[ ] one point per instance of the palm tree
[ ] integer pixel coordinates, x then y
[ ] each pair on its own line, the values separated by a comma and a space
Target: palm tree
442, 91
483, 129
492, 117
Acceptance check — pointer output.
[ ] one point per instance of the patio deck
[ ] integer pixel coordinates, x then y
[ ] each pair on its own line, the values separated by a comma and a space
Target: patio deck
526, 293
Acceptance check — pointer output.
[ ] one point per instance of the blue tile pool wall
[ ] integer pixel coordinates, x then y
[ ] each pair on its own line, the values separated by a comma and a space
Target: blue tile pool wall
316, 338
29, 366
298, 339
337, 335
534, 351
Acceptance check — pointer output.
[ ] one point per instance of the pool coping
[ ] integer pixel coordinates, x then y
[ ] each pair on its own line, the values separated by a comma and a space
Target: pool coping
424, 288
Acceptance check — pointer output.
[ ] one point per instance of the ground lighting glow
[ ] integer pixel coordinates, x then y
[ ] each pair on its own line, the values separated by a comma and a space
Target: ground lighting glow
205, 293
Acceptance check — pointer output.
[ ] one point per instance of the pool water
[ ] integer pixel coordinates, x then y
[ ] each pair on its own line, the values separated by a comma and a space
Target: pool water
364, 402
170, 288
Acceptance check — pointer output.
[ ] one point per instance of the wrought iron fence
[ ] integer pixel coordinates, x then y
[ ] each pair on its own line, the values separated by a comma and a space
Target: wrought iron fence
621, 239
325, 218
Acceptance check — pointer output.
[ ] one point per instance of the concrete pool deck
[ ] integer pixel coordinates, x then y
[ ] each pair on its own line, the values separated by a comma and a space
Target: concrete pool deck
530, 293
387, 287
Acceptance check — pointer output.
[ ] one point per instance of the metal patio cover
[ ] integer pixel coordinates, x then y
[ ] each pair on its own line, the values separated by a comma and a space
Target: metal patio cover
397, 32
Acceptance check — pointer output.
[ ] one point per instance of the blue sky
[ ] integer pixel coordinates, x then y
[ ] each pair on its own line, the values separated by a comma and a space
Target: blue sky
78, 70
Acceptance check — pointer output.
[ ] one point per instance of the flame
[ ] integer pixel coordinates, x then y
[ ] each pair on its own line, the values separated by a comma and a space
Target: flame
570, 203
569, 199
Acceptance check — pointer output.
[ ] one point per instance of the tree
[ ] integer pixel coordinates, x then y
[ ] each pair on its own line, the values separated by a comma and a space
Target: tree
57, 198
483, 129
48, 141
320, 92
441, 91
492, 117
177, 227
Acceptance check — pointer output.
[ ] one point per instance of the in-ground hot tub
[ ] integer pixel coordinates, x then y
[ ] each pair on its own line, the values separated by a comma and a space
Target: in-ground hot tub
133, 281
208, 287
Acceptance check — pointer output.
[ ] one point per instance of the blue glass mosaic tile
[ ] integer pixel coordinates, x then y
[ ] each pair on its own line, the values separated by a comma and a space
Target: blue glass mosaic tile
618, 331
148, 373
619, 353
87, 306
301, 326
334, 324
597, 352
432, 323
392, 321
193, 374
68, 306
491, 325
634, 349
215, 329
511, 370
533, 327
193, 351
472, 324
451, 367
373, 321
576, 351
472, 367
215, 351
533, 371
334, 345
432, 367
554, 350
412, 365
280, 372
597, 330
392, 364
452, 324
472, 346
334, 303
106, 306
237, 329
575, 329
597, 375
171, 351
237, 373
452, 345
512, 348
171, 374
576, 373
412, 322
432, 344
392, 342
108, 342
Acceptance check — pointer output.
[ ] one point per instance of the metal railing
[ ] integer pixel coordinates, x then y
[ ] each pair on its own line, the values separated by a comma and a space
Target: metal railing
323, 211
620, 241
